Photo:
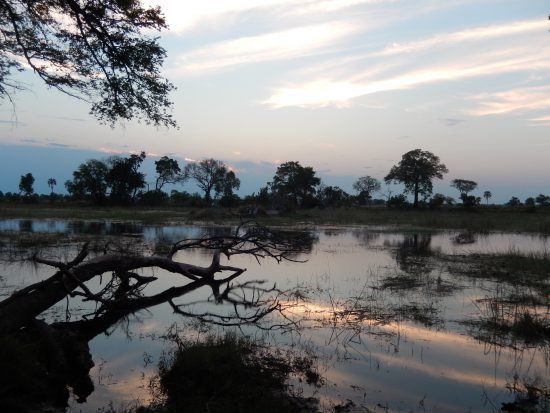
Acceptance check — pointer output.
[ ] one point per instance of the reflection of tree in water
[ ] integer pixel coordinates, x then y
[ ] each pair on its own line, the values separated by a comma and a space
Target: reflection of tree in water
413, 253
42, 360
365, 237
104, 228
25, 225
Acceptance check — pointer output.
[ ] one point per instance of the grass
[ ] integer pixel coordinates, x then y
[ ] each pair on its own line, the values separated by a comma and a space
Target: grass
483, 219
531, 270
231, 374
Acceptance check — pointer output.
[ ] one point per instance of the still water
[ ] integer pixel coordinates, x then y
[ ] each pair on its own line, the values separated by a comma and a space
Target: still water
386, 346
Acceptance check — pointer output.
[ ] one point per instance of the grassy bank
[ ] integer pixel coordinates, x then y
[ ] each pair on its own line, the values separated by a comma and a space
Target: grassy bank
483, 219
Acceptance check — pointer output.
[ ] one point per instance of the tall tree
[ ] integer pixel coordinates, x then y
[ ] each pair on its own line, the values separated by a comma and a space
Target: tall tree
416, 170
168, 172
52, 183
464, 186
487, 195
224, 187
103, 52
365, 186
89, 180
208, 175
26, 184
124, 177
295, 182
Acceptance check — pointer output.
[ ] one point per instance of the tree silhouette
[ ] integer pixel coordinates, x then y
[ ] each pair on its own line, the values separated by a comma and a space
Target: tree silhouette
89, 180
295, 183
465, 186
100, 51
168, 172
487, 195
416, 170
224, 188
209, 174
365, 186
51, 183
26, 184
124, 177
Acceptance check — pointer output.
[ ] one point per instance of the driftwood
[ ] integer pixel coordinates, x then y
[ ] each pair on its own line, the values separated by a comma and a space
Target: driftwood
122, 294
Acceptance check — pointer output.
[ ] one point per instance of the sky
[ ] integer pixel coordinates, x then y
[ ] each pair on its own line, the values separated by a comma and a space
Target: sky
345, 86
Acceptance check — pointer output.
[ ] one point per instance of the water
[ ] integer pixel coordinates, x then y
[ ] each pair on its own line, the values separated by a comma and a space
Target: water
394, 363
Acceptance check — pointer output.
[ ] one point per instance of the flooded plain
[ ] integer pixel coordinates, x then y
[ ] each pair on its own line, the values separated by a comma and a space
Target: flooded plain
398, 321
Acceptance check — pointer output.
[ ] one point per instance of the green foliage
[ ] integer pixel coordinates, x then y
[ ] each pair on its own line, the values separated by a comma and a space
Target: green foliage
295, 184
103, 52
416, 170
26, 184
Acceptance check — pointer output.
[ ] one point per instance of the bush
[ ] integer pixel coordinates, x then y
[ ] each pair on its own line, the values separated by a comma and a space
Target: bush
153, 198
398, 201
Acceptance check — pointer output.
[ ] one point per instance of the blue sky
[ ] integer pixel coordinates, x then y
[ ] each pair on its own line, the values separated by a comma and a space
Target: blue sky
346, 86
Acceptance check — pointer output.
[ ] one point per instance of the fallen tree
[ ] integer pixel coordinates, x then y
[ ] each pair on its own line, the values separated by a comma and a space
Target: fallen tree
60, 349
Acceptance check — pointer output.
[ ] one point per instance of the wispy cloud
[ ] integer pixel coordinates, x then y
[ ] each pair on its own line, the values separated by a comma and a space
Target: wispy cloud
286, 44
444, 60
469, 35
185, 15
515, 100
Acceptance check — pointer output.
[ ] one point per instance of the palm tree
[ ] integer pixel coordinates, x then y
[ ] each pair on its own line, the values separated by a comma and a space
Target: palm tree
487, 195
51, 183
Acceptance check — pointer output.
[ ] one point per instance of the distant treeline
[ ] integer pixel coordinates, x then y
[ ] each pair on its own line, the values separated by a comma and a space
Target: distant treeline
118, 181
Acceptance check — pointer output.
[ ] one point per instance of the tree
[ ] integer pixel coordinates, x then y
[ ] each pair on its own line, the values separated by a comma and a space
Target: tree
26, 184
530, 201
103, 52
542, 200
514, 202
64, 359
124, 177
464, 186
365, 186
416, 170
332, 196
208, 174
487, 195
224, 188
89, 180
295, 183
168, 172
52, 183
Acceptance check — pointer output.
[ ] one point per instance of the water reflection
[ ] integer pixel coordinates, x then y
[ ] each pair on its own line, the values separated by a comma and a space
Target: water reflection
398, 343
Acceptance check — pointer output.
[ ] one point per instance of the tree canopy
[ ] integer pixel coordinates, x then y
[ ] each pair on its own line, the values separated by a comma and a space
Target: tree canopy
365, 186
26, 184
295, 182
416, 170
99, 51
168, 172
212, 175
464, 186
